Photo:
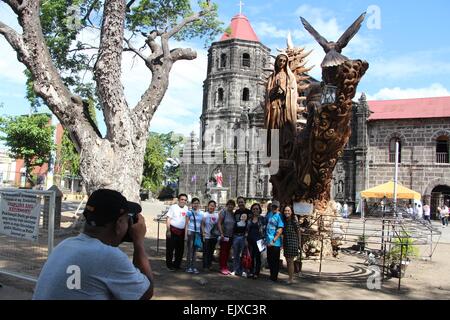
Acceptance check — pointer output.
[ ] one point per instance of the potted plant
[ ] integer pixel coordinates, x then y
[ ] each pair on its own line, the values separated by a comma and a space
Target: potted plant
401, 253
362, 241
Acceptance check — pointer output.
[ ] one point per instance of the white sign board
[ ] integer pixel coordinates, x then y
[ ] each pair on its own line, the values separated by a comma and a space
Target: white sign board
19, 215
303, 208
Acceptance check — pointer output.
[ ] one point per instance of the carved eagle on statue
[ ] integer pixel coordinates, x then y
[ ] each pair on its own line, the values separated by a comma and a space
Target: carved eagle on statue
332, 49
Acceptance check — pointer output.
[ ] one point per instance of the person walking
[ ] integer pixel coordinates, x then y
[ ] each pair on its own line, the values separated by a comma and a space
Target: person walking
427, 213
443, 213
274, 229
194, 219
210, 235
345, 210
415, 211
226, 226
410, 211
291, 240
176, 223
254, 233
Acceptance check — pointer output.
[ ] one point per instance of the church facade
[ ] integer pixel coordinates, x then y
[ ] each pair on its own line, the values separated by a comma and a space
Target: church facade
233, 112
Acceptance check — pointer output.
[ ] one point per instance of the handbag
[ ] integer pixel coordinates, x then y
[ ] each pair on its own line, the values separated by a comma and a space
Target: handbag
198, 241
246, 260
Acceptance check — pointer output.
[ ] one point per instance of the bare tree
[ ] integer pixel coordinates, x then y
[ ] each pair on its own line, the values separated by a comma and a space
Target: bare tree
116, 160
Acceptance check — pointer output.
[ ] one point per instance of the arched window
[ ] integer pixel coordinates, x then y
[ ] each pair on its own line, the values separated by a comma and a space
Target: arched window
220, 95
442, 150
246, 60
246, 94
392, 150
223, 60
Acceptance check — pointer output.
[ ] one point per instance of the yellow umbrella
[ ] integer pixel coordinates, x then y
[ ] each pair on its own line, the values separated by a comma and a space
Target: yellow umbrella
387, 190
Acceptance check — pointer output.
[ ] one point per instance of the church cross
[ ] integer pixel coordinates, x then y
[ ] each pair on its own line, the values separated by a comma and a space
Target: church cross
240, 6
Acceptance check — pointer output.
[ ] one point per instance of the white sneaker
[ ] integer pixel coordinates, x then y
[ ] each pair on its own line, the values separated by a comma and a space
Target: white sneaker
233, 273
244, 274
189, 270
195, 271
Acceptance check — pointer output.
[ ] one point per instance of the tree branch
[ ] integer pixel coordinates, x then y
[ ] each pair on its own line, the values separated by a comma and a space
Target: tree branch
151, 41
16, 5
15, 40
188, 20
107, 69
129, 4
165, 45
182, 54
133, 49
160, 68
85, 47
88, 13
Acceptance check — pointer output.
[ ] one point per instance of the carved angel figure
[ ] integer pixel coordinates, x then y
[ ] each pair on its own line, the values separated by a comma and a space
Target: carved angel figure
333, 49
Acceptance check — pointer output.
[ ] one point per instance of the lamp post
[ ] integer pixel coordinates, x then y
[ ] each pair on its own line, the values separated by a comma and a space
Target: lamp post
396, 176
328, 94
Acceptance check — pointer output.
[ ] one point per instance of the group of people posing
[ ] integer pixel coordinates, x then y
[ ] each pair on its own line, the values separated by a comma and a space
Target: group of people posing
242, 231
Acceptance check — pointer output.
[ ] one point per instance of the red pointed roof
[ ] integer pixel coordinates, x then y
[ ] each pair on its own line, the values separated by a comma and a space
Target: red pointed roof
240, 29
410, 108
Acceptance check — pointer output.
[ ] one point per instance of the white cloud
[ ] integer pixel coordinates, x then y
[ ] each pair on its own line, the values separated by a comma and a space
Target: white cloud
313, 13
434, 90
409, 66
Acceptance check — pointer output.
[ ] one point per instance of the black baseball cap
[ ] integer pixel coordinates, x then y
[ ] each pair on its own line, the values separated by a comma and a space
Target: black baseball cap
105, 205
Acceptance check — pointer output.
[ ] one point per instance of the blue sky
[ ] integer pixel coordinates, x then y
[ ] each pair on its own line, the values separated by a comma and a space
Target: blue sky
408, 55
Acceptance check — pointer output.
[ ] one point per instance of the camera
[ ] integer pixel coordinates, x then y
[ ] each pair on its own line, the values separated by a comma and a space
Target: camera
132, 219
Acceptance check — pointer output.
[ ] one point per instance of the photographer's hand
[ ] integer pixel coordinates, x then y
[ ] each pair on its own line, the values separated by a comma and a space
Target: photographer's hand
138, 230
140, 258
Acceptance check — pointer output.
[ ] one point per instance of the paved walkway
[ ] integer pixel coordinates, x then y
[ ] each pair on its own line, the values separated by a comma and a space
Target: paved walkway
343, 278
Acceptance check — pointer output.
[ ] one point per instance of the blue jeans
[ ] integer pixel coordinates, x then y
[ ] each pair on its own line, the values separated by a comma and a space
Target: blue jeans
238, 247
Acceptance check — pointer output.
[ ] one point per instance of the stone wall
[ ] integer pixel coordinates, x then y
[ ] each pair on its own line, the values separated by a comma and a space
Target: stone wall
418, 169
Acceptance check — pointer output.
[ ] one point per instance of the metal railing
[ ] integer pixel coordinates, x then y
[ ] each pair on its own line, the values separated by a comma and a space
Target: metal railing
442, 157
376, 235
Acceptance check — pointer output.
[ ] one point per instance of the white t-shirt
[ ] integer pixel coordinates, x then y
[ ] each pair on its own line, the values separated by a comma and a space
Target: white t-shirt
105, 273
177, 216
210, 220
426, 210
419, 211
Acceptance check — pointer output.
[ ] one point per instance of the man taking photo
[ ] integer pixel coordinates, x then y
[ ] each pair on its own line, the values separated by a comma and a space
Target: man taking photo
91, 266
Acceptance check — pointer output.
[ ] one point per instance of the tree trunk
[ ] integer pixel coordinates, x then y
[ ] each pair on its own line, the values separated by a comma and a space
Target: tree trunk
113, 166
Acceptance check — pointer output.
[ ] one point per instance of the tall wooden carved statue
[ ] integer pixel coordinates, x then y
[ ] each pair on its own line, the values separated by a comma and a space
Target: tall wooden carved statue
308, 153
